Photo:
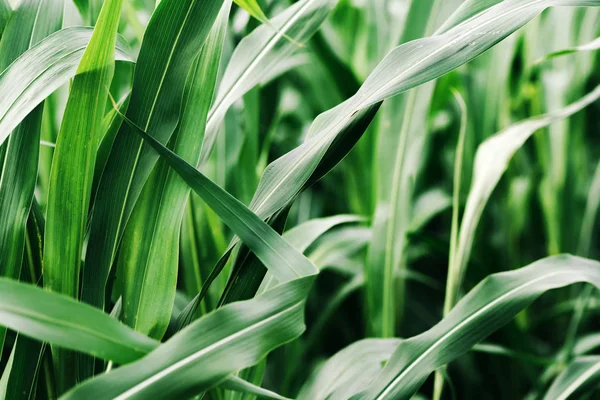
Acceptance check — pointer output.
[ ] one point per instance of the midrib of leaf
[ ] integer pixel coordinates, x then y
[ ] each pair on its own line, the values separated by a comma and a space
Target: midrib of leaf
35, 21
458, 326
265, 50
189, 173
191, 358
67, 324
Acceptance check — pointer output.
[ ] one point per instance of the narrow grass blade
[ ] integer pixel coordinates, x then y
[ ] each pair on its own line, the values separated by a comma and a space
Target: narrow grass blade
489, 306
172, 41
239, 385
5, 11
591, 46
74, 156
63, 321
200, 356
72, 172
582, 371
19, 167
40, 71
19, 171
148, 265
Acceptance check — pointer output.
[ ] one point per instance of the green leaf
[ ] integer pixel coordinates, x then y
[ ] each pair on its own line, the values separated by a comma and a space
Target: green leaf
582, 371
489, 306
75, 154
72, 170
239, 385
172, 41
5, 11
40, 71
200, 356
405, 67
491, 160
63, 321
349, 370
253, 8
149, 263
591, 46
18, 174
206, 352
256, 57
19, 171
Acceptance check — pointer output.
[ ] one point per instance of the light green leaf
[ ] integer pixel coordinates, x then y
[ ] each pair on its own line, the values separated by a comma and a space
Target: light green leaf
257, 56
491, 160
591, 46
65, 322
580, 372
405, 67
75, 154
349, 370
489, 306
200, 356
40, 71
239, 385
253, 8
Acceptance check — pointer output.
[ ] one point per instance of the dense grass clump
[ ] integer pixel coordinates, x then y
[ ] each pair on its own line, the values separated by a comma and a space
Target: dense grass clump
313, 199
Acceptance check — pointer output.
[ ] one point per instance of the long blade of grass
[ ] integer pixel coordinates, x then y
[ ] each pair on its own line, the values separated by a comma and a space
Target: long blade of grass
172, 41
148, 265
72, 173
490, 305
200, 356
40, 71
19, 168
5, 11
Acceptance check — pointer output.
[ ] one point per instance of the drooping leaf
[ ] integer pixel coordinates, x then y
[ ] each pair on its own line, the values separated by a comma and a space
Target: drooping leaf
65, 322
405, 67
349, 369
40, 71
200, 356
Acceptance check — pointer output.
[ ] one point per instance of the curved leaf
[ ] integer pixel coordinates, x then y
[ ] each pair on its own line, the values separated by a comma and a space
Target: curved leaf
490, 305
582, 371
256, 57
40, 71
349, 369
65, 322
